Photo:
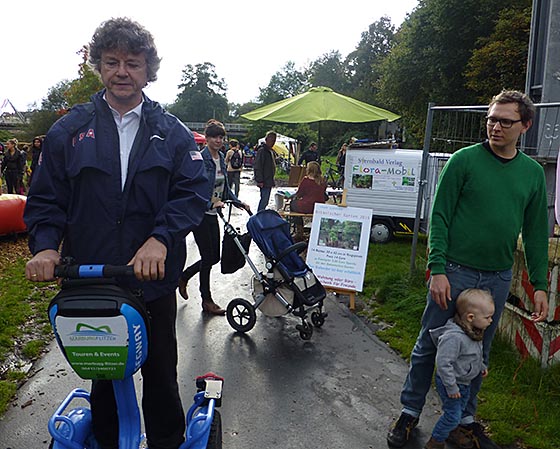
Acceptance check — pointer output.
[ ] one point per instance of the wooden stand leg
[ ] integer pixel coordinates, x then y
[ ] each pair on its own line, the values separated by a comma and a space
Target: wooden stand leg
350, 293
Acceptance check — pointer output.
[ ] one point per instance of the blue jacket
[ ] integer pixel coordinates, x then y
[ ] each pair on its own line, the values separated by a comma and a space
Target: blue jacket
210, 167
77, 199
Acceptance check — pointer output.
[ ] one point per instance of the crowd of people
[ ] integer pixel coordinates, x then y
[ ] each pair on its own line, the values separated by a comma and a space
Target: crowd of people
17, 170
103, 209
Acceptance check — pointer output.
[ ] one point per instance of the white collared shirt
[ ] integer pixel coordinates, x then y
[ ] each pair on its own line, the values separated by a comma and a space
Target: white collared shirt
127, 126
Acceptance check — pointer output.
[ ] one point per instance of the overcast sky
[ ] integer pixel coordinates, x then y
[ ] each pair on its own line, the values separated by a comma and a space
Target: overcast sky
247, 40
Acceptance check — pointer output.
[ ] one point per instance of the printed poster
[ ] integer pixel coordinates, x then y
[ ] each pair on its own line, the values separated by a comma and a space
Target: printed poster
338, 245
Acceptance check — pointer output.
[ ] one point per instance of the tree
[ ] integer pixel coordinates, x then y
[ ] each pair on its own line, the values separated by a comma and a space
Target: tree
56, 100
53, 106
500, 61
202, 96
88, 82
364, 63
285, 83
430, 56
330, 70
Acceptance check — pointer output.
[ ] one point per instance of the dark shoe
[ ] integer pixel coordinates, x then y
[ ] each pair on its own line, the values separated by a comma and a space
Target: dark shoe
434, 444
461, 438
401, 431
183, 288
471, 436
212, 308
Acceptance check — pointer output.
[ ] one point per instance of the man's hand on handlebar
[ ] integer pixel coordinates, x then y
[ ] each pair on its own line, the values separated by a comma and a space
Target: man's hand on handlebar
41, 267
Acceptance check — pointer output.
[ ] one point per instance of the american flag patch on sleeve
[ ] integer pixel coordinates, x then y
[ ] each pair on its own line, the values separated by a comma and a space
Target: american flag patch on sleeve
195, 155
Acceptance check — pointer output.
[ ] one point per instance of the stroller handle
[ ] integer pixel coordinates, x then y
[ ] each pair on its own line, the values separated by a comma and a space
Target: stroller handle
237, 204
70, 271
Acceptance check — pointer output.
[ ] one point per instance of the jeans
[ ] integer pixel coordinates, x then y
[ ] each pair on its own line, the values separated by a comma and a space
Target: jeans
422, 359
452, 409
161, 404
265, 197
207, 238
234, 179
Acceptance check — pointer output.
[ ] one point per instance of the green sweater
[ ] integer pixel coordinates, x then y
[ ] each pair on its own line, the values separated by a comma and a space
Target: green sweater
480, 207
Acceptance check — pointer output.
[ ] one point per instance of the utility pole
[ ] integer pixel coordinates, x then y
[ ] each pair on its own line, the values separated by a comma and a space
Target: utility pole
543, 86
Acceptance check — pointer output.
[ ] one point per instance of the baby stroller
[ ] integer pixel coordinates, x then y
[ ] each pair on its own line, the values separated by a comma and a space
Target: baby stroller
288, 286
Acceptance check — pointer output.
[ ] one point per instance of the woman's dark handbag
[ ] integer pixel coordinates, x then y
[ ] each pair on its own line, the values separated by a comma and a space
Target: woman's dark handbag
232, 258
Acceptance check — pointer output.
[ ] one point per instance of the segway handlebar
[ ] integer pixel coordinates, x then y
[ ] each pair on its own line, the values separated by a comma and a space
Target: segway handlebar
92, 271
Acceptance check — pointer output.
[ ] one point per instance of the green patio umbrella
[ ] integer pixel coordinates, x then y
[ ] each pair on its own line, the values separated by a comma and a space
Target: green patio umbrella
319, 104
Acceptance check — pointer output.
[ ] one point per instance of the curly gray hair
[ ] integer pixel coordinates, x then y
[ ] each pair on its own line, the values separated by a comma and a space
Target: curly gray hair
125, 35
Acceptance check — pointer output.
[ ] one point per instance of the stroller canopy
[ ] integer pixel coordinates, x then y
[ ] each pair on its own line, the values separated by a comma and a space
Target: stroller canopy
271, 233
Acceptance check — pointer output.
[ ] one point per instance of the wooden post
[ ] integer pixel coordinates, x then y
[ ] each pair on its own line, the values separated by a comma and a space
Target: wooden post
351, 293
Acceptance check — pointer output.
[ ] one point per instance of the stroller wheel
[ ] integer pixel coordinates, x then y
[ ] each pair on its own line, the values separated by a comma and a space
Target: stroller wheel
241, 315
305, 330
318, 319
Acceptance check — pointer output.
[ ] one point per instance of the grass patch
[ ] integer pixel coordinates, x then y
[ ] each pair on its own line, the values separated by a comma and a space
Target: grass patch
519, 400
33, 349
7, 392
396, 297
24, 326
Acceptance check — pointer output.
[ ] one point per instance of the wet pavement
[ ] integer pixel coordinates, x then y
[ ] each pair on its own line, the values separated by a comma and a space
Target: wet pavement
338, 390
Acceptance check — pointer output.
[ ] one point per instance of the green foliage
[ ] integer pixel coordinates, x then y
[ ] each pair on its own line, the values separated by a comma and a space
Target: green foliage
87, 83
56, 100
40, 122
33, 349
520, 400
365, 62
396, 296
7, 392
330, 70
202, 95
428, 61
285, 83
500, 61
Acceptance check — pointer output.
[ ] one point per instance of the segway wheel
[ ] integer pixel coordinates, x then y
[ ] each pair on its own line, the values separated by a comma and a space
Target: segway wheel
305, 330
215, 437
318, 319
241, 315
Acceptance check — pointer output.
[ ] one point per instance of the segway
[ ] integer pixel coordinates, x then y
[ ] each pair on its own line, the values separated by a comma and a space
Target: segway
103, 331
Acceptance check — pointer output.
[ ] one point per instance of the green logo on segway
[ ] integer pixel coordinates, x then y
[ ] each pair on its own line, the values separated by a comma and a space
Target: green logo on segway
97, 348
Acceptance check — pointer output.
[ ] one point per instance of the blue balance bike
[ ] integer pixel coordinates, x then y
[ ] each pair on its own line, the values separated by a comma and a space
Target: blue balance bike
103, 330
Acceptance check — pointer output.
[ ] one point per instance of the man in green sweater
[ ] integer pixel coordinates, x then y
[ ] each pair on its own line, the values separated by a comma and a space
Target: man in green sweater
487, 194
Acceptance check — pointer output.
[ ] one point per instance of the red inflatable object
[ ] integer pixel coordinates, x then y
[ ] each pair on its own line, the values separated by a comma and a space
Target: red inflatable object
11, 213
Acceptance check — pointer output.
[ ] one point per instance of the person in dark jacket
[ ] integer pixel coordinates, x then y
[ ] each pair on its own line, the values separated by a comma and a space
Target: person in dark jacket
12, 166
207, 235
264, 168
36, 146
310, 155
121, 181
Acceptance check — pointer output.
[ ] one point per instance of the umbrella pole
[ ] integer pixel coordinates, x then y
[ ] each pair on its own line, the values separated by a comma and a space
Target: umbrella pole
319, 139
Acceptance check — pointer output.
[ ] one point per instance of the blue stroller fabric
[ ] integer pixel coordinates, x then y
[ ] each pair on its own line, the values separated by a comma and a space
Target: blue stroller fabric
271, 233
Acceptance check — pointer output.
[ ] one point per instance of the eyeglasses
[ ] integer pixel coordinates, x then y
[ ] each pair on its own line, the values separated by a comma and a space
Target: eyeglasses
504, 122
129, 66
